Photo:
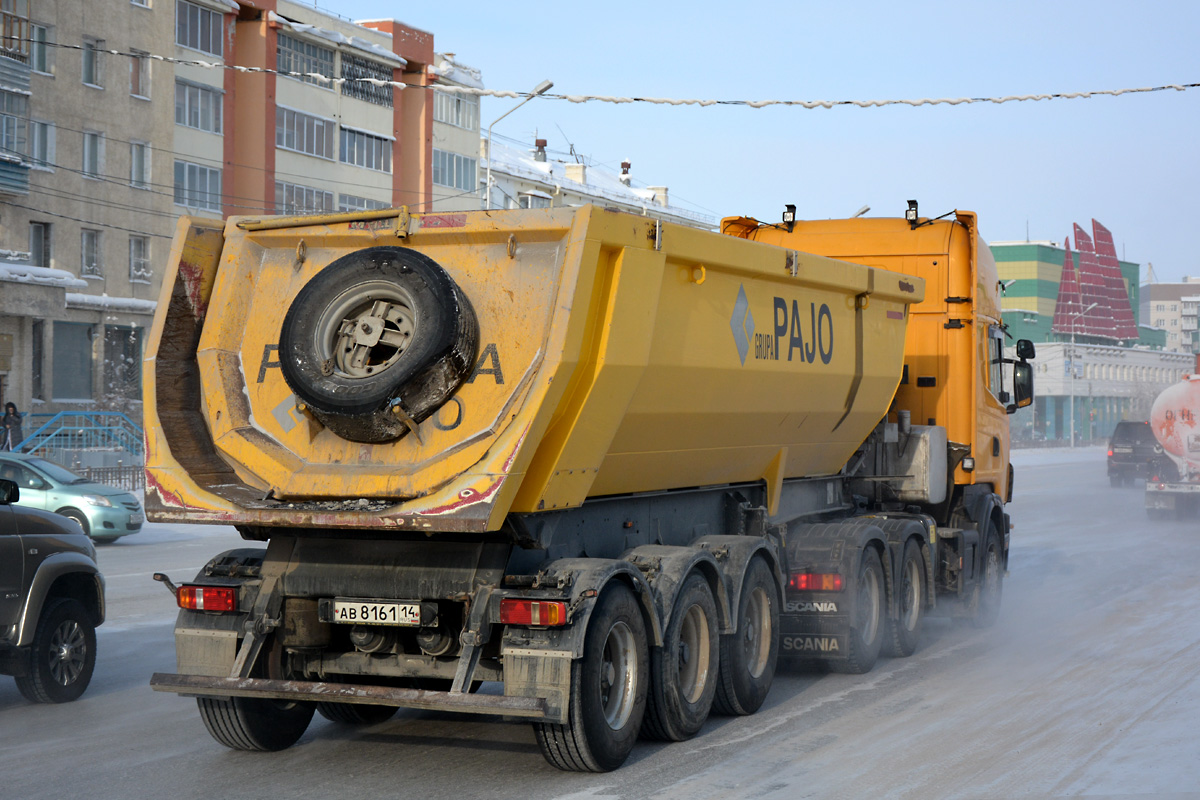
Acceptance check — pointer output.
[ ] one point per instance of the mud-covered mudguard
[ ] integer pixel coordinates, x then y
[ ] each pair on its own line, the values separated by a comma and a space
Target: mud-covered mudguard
206, 643
49, 571
666, 568
733, 554
823, 547
981, 503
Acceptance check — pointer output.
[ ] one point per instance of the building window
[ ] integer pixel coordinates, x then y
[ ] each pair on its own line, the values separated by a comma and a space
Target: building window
292, 198
89, 260
93, 62
139, 73
355, 69
294, 55
40, 58
348, 202
197, 28
454, 170
122, 362
365, 150
530, 200
456, 109
304, 133
14, 114
197, 186
93, 154
198, 107
72, 361
41, 144
40, 254
38, 344
141, 3
139, 165
139, 259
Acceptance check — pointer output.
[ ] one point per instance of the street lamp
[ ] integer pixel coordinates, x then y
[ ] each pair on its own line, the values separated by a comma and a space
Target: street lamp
1072, 362
541, 88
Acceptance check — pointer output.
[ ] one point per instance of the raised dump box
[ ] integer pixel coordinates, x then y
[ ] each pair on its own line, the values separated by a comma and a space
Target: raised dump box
615, 354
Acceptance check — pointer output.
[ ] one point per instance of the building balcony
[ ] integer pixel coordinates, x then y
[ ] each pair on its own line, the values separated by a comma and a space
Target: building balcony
14, 37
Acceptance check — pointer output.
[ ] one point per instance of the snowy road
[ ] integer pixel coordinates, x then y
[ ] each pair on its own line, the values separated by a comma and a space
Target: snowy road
1088, 685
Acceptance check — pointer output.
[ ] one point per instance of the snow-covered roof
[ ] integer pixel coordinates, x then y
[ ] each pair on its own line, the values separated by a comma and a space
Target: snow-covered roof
43, 276
105, 303
451, 71
333, 37
600, 183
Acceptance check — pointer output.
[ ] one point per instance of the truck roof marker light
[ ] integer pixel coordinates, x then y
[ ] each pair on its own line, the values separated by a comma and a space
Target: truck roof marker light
537, 613
207, 598
815, 582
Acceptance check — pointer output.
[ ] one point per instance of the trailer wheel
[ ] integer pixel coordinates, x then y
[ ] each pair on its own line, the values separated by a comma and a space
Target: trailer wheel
355, 714
750, 653
986, 602
866, 633
904, 632
244, 723
683, 671
608, 690
379, 336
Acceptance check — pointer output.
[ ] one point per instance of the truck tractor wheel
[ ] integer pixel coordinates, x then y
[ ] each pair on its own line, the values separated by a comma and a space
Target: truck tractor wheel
377, 341
63, 654
750, 653
684, 670
608, 690
355, 714
989, 590
905, 631
866, 633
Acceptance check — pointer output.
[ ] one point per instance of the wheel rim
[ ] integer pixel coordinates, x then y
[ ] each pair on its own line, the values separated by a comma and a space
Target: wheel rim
757, 633
910, 595
694, 651
868, 606
68, 653
618, 676
365, 330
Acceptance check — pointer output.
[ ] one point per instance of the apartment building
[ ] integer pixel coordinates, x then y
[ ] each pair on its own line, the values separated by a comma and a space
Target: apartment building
1172, 307
260, 106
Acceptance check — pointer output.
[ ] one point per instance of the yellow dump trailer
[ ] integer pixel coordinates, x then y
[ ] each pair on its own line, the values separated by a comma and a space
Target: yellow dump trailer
585, 454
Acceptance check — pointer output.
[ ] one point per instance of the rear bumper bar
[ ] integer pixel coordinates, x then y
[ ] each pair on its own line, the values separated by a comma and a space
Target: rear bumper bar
313, 691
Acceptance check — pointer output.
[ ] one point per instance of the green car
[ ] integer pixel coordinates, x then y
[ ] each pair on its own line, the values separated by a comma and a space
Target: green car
104, 512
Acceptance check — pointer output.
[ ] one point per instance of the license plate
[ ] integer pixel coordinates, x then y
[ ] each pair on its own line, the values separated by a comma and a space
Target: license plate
136, 519
376, 612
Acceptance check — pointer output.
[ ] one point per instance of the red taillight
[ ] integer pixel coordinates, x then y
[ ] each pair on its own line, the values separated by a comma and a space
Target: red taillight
1110, 453
541, 613
207, 598
815, 582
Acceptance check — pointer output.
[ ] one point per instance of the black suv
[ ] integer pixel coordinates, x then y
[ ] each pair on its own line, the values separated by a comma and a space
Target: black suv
1130, 451
51, 600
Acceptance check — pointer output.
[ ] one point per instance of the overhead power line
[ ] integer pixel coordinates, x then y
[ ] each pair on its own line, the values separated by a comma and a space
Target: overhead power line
596, 98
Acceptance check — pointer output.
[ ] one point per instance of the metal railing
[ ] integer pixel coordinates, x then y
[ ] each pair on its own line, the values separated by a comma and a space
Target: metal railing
130, 478
79, 431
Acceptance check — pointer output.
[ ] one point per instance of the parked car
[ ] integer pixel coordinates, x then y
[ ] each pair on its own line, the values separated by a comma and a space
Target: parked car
51, 600
104, 512
1130, 451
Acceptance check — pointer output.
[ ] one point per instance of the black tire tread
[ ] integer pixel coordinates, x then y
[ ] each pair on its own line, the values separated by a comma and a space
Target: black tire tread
355, 714
661, 723
727, 701
37, 686
860, 660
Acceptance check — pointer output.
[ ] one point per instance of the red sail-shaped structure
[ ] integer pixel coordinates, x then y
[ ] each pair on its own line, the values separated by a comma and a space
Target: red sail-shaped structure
1067, 307
1097, 321
1106, 253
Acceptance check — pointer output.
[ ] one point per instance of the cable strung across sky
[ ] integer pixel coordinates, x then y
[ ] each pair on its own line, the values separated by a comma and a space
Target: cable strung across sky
595, 98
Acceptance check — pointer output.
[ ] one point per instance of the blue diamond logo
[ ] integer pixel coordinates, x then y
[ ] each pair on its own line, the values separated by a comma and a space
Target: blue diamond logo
742, 324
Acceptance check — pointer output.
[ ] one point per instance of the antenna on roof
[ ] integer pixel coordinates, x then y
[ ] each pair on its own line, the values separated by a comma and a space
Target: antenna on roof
1150, 276
575, 155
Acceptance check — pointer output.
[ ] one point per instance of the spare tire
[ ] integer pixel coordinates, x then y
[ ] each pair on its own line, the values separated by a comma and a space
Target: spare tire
377, 340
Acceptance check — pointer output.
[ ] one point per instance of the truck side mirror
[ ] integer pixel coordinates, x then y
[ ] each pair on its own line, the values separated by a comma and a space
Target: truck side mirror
1024, 349
1022, 385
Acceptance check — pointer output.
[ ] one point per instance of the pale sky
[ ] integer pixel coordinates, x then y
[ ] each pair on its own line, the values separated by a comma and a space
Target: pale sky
1128, 161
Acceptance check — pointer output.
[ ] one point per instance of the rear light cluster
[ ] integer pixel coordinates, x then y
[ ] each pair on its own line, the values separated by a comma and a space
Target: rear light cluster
539, 613
815, 582
207, 598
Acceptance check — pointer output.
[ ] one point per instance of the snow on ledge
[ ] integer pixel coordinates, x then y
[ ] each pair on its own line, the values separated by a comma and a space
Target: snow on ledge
105, 303
44, 276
